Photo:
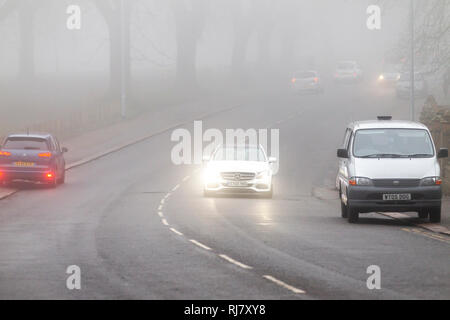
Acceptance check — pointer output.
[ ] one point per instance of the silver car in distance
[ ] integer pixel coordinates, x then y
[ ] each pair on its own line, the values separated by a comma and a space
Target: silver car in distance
238, 169
387, 165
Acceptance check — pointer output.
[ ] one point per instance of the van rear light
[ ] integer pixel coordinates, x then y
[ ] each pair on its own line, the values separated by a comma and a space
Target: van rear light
293, 80
49, 175
316, 79
45, 155
5, 153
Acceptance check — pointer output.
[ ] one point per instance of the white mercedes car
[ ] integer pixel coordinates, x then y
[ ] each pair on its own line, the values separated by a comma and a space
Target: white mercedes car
239, 169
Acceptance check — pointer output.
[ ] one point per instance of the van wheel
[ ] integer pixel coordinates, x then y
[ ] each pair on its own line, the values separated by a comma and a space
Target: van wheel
343, 207
63, 178
435, 215
423, 214
352, 215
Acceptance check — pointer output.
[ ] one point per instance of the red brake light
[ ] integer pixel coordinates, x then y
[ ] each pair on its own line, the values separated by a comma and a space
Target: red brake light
5, 153
293, 80
49, 175
316, 79
45, 154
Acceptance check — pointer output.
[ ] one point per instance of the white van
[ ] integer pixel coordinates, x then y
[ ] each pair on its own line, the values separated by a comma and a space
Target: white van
387, 165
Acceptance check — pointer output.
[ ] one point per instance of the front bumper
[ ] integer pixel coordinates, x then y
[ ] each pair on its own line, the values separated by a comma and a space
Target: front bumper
369, 199
252, 186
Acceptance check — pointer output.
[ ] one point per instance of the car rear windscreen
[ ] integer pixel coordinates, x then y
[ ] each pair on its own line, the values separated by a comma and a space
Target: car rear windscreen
305, 75
25, 143
346, 65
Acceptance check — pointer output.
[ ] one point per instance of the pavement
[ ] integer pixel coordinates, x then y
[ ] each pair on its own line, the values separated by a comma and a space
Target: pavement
139, 227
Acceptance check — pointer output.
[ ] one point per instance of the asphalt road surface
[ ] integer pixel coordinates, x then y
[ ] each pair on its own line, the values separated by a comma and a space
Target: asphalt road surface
139, 227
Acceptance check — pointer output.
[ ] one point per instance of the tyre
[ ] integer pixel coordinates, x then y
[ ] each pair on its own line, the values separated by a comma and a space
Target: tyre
269, 194
435, 215
62, 180
343, 207
352, 214
423, 214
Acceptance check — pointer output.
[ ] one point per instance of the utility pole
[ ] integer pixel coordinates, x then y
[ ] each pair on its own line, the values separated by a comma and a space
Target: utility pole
412, 85
123, 95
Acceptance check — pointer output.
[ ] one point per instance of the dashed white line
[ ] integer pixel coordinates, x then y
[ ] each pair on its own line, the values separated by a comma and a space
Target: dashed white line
239, 264
176, 187
167, 195
283, 284
164, 221
176, 231
160, 207
160, 214
201, 245
162, 201
186, 178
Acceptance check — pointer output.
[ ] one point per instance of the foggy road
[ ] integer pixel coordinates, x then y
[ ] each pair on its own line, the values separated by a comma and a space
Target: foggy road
139, 227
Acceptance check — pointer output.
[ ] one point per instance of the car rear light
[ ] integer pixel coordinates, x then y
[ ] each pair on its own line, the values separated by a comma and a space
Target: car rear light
438, 181
5, 153
45, 155
49, 175
293, 80
316, 79
352, 182
354, 74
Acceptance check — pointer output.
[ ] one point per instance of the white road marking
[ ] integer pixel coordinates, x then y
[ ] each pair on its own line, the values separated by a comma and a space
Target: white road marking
160, 214
160, 207
162, 201
282, 284
176, 187
164, 221
176, 231
167, 195
201, 245
239, 264
186, 178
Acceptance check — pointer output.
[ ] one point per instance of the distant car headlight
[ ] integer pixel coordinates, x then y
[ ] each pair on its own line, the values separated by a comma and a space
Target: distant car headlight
431, 181
360, 181
211, 175
263, 174
381, 77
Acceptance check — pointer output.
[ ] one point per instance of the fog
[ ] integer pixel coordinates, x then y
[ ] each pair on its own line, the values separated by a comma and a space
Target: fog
171, 51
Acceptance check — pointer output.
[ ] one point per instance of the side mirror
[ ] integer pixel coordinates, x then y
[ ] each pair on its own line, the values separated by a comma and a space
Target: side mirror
272, 159
443, 153
342, 153
64, 150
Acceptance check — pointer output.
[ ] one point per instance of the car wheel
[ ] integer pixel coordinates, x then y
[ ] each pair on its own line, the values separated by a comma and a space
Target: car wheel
352, 214
62, 180
269, 194
423, 214
343, 207
435, 215
207, 193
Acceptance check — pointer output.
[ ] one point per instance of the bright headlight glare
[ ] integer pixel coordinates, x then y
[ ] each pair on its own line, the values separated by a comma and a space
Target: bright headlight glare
430, 181
381, 77
360, 181
210, 175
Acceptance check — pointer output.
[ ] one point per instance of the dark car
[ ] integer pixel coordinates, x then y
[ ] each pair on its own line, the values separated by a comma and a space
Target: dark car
32, 157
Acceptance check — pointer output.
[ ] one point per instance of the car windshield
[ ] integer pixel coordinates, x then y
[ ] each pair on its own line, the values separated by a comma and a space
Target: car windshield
239, 154
346, 65
371, 143
305, 75
26, 143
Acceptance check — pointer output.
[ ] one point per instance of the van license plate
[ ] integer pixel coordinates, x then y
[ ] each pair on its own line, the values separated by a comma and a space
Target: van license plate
397, 196
237, 184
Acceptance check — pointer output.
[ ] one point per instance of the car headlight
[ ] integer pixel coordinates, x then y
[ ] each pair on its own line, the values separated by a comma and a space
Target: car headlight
211, 175
431, 181
263, 174
360, 181
381, 77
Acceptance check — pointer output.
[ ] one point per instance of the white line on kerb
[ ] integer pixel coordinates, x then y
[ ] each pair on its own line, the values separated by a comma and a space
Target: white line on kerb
160, 214
164, 221
284, 285
239, 264
201, 245
176, 231
176, 187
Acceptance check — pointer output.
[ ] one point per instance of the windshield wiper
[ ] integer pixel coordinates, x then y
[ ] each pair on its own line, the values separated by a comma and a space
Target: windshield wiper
419, 155
383, 155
